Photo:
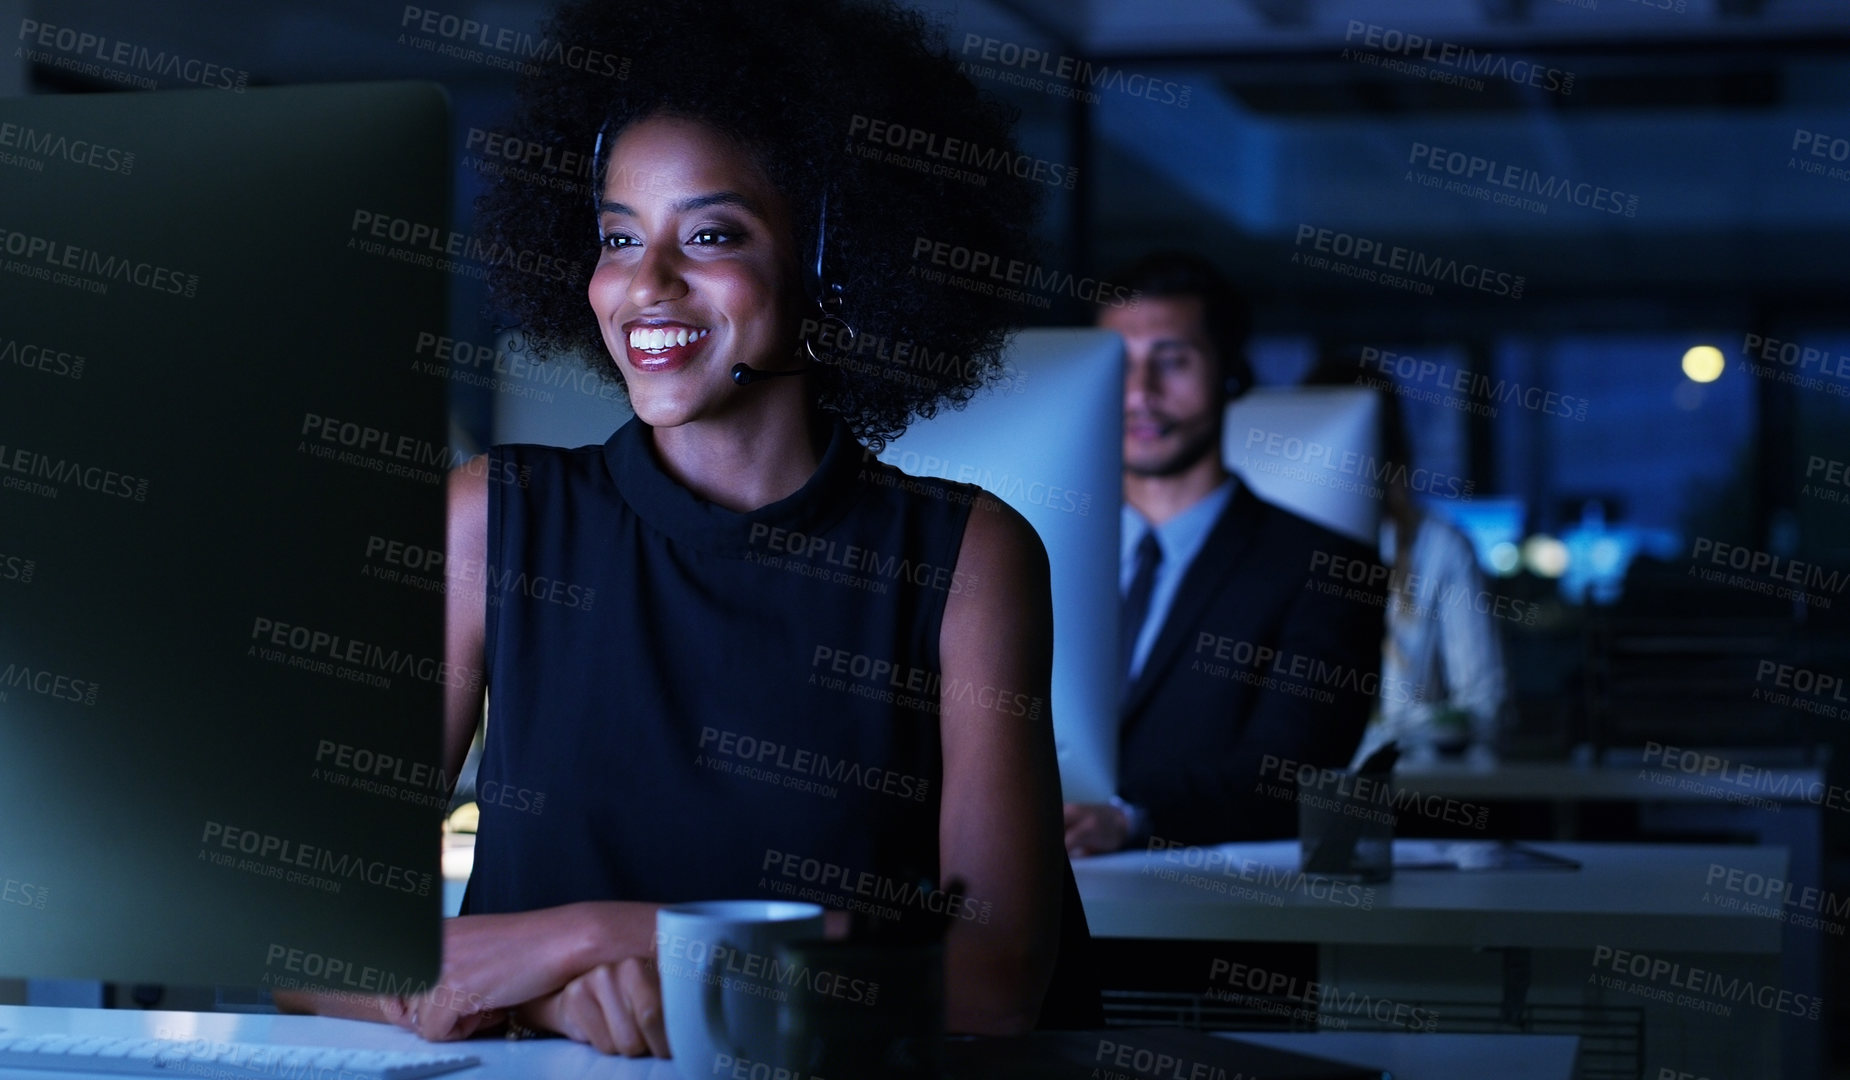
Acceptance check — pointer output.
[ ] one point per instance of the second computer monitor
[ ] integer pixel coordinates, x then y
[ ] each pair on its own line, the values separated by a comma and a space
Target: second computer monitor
1314, 451
1048, 440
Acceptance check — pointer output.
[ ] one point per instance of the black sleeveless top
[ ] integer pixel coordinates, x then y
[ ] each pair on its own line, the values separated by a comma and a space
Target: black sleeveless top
689, 703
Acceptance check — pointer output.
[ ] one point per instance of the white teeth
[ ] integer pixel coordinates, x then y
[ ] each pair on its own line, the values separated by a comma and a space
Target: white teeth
655, 340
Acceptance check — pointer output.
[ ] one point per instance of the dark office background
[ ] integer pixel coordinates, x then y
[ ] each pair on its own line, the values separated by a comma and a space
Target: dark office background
1706, 113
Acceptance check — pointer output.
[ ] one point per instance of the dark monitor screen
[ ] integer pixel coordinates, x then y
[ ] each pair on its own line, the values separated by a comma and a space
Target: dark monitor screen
220, 701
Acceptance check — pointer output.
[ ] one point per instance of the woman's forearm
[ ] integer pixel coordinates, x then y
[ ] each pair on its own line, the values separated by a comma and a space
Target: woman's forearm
604, 932
994, 981
343, 1006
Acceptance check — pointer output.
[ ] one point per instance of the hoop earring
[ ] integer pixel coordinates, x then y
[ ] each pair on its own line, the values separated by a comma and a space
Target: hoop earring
831, 295
830, 305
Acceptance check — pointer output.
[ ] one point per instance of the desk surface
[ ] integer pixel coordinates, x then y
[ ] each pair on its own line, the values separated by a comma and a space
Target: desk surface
1547, 781
1631, 896
1410, 1057
1414, 1057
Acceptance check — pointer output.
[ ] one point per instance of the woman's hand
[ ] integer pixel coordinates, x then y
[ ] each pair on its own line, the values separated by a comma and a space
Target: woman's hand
415, 1013
494, 963
616, 1008
411, 1012
490, 964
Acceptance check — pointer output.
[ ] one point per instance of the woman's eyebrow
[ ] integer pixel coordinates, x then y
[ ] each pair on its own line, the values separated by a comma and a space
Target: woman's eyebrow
691, 204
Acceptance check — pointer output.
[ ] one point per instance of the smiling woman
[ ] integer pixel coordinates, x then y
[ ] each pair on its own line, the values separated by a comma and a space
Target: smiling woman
694, 263
727, 257
790, 85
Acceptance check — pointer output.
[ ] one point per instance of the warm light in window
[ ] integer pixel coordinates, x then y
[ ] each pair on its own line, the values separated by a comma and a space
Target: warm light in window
1704, 363
1545, 555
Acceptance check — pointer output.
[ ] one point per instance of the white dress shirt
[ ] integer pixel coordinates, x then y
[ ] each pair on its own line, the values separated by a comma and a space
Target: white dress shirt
1182, 538
1444, 648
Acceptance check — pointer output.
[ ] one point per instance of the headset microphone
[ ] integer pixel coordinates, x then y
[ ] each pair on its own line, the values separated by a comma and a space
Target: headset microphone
746, 375
828, 295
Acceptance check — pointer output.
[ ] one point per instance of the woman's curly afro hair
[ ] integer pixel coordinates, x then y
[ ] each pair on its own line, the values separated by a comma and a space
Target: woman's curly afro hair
800, 84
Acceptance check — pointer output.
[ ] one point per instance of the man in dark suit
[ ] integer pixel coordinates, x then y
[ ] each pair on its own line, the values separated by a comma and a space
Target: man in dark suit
1234, 660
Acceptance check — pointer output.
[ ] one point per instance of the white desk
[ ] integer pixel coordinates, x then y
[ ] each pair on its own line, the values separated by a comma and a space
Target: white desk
1633, 896
1411, 1057
1568, 781
1424, 934
1779, 803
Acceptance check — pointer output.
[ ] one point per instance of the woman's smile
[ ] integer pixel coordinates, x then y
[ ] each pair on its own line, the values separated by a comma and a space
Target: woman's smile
661, 346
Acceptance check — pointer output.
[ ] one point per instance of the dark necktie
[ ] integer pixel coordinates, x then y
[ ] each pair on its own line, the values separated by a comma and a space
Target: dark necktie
1137, 602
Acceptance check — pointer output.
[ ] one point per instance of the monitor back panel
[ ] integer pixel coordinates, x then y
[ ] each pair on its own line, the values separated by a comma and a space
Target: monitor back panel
1048, 440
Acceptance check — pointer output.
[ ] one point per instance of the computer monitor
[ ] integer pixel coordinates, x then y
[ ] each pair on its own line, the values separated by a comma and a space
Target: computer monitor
1048, 440
221, 675
1316, 451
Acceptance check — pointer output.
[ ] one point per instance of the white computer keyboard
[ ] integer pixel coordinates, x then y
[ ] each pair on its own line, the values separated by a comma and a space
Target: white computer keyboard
226, 1060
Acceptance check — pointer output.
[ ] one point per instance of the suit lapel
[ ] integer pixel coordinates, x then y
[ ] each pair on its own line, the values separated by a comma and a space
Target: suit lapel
1231, 535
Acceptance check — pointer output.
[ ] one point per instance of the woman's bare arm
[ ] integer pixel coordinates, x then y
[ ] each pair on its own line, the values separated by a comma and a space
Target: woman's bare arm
466, 611
1000, 825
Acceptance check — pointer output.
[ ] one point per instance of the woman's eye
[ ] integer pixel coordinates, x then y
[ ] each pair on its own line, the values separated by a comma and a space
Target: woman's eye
616, 241
712, 237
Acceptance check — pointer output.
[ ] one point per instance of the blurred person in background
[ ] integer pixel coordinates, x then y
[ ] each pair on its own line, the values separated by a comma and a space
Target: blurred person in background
1217, 624
1443, 643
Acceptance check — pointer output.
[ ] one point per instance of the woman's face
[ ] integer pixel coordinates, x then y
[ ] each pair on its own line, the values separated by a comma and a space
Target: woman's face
695, 270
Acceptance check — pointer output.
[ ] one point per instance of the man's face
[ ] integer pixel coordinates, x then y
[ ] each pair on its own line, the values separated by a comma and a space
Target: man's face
1172, 384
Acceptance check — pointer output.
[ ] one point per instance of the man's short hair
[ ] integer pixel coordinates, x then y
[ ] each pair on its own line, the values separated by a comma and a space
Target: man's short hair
1226, 314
